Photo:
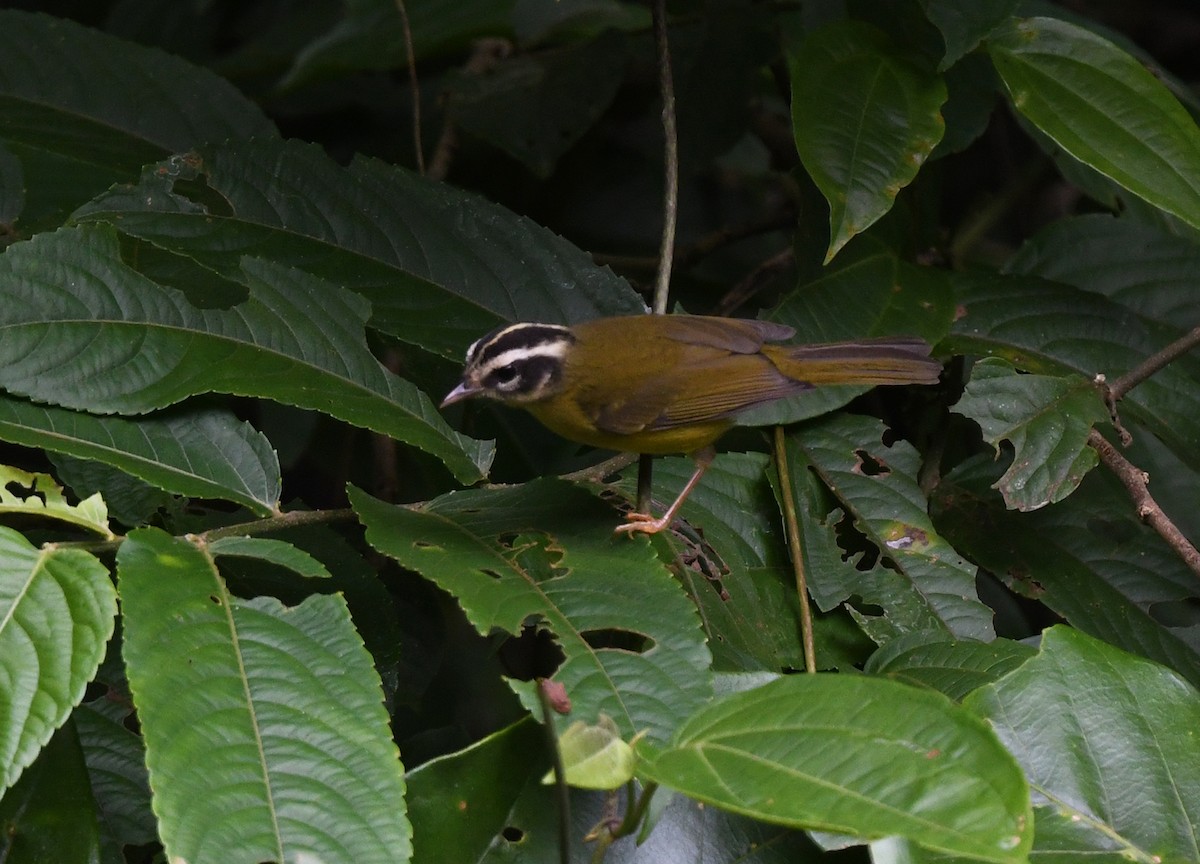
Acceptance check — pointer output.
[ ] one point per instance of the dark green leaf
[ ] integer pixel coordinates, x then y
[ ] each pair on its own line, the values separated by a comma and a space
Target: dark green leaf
535, 107
50, 816
1089, 559
1140, 266
1047, 420
545, 552
75, 137
1109, 744
440, 266
203, 453
920, 582
856, 755
954, 668
865, 117
139, 346
1052, 329
536, 21
264, 725
57, 608
1104, 108
965, 25
116, 766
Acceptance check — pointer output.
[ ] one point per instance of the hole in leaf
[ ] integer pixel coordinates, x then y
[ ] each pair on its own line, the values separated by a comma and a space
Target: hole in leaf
512, 834
23, 492
533, 654
619, 640
492, 573
863, 608
215, 599
870, 466
1177, 613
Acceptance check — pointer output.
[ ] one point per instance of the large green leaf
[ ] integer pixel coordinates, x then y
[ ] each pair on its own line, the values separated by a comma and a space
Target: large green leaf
1046, 419
1050, 328
203, 453
138, 345
865, 116
1103, 107
49, 815
439, 266
1090, 559
862, 756
1140, 266
545, 553
1109, 744
57, 608
918, 580
73, 138
264, 725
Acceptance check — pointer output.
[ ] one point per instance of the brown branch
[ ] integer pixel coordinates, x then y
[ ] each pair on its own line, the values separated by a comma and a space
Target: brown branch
666, 85
1152, 364
750, 285
1136, 482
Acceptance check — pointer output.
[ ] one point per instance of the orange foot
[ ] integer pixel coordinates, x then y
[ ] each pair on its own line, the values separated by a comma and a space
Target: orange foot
643, 523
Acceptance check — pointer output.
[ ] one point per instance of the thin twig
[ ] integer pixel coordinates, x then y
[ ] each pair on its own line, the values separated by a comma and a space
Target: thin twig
282, 522
1152, 364
1135, 482
560, 776
797, 551
748, 286
413, 84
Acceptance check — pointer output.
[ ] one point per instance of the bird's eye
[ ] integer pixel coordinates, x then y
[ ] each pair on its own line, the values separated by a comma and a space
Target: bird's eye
504, 377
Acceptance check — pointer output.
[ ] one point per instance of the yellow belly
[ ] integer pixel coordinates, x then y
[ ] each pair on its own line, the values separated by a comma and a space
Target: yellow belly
574, 426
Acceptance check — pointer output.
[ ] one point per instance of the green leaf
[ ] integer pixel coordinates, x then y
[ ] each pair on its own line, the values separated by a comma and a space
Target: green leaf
370, 35
116, 766
965, 25
594, 756
141, 346
919, 580
535, 107
202, 453
461, 803
865, 117
74, 139
439, 266
49, 815
1052, 329
1109, 744
856, 755
1140, 266
951, 667
1091, 560
1104, 108
274, 551
878, 295
39, 495
545, 553
57, 608
265, 732
130, 501
1046, 419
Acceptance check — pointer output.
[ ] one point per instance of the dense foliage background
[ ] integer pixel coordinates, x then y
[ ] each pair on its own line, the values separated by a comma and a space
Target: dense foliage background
247, 566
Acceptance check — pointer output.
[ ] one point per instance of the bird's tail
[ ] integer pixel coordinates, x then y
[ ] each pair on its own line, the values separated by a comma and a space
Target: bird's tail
892, 360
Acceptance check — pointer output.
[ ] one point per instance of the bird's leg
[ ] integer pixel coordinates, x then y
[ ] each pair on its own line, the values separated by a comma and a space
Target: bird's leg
644, 523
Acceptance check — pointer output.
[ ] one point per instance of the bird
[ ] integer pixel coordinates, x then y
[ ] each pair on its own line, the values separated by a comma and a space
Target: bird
662, 384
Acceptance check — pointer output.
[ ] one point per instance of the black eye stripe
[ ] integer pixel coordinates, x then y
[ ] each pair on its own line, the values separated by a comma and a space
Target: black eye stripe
524, 375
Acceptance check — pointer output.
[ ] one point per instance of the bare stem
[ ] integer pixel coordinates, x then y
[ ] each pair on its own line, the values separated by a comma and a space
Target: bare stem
282, 522
666, 85
563, 792
797, 551
1152, 364
413, 83
1136, 482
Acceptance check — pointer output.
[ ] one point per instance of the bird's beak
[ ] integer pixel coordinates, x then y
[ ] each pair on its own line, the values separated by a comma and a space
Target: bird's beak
459, 393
